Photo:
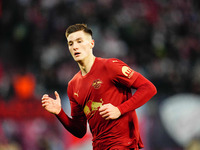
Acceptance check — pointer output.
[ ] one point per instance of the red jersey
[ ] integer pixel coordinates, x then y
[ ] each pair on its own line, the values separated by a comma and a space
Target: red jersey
109, 81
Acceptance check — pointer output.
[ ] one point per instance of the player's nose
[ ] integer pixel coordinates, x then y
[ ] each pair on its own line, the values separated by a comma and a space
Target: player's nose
75, 46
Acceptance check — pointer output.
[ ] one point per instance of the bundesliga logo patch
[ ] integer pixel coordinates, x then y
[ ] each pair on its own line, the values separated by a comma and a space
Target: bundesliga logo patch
128, 72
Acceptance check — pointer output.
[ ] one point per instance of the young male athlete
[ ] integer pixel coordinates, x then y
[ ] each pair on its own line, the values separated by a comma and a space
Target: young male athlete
100, 93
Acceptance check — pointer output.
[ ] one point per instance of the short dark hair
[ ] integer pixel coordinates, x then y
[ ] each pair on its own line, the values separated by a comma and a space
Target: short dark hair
78, 27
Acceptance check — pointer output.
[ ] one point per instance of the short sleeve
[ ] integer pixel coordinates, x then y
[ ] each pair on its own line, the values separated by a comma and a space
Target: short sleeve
120, 72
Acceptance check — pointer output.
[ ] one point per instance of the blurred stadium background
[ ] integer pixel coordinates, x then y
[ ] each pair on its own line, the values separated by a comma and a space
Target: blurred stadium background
158, 38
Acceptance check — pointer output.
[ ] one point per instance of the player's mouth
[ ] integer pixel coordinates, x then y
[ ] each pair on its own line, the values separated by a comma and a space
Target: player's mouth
77, 54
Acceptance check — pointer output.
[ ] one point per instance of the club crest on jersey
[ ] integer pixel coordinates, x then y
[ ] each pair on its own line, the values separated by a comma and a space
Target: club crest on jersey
97, 83
128, 72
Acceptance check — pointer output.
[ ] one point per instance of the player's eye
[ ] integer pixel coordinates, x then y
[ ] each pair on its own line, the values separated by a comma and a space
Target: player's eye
79, 41
70, 44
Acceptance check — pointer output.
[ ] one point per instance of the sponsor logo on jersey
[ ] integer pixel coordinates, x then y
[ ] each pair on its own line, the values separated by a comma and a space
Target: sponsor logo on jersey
97, 83
91, 107
128, 72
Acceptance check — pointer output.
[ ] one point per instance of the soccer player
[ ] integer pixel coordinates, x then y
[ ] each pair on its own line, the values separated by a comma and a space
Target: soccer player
100, 93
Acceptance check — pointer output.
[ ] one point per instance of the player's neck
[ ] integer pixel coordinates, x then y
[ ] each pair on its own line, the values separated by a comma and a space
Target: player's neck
86, 65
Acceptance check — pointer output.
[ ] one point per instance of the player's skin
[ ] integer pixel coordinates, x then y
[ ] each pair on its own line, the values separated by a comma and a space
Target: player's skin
80, 45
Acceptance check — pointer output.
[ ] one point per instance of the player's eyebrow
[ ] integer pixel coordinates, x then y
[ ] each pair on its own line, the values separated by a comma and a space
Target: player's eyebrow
79, 38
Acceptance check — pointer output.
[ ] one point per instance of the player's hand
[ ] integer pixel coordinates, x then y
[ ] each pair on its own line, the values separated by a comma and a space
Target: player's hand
108, 111
50, 104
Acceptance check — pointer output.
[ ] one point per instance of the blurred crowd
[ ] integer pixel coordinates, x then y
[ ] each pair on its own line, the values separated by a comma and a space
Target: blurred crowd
158, 38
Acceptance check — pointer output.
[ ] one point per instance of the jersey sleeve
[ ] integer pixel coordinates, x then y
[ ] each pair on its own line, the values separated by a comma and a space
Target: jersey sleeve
76, 109
120, 72
145, 91
77, 124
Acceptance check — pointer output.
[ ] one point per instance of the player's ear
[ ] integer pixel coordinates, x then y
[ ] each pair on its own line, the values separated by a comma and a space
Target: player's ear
92, 44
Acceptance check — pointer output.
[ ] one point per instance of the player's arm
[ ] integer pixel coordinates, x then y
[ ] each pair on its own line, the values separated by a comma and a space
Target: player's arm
120, 73
145, 90
75, 125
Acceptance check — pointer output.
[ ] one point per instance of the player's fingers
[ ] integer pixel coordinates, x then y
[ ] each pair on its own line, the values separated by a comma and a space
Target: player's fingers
43, 101
45, 96
103, 112
105, 115
44, 104
107, 105
107, 118
110, 116
103, 108
57, 95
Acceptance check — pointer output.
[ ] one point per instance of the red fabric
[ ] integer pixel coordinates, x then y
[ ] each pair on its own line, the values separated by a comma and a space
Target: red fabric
76, 125
145, 90
119, 148
109, 81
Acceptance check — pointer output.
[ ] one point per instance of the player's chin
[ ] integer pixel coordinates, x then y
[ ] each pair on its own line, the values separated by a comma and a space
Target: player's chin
78, 59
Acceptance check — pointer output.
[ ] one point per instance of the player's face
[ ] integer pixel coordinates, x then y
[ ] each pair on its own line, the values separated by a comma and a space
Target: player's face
80, 45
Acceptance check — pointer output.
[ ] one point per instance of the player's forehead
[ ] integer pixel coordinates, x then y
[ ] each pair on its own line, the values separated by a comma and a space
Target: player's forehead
77, 35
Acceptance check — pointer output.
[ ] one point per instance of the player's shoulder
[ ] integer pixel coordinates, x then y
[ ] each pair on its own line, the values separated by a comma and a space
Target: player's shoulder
109, 60
114, 62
